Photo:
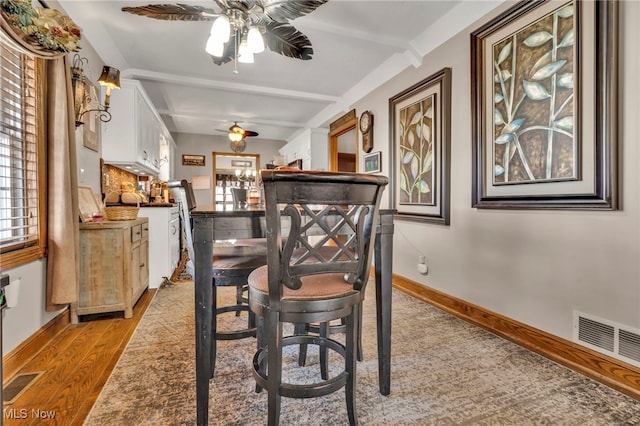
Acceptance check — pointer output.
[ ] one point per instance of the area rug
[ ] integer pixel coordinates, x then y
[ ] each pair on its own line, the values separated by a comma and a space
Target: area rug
445, 371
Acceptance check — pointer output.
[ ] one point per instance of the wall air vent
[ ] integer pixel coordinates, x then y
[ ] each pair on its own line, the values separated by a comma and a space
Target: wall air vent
629, 344
595, 333
613, 339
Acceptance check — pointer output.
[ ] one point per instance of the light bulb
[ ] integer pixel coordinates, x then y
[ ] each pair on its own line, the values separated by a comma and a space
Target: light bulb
221, 29
214, 47
255, 41
244, 54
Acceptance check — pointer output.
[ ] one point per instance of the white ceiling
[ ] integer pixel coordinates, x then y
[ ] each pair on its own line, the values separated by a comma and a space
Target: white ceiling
358, 45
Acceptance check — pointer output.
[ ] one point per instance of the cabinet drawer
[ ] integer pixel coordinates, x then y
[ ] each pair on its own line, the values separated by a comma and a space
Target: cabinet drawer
145, 231
136, 233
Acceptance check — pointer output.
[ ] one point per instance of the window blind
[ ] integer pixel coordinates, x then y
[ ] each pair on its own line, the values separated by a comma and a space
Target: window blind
18, 150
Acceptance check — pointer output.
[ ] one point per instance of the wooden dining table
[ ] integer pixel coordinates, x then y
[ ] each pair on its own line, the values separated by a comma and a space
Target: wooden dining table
223, 222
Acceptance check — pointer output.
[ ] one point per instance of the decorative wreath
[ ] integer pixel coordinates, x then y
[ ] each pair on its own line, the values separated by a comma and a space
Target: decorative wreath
46, 27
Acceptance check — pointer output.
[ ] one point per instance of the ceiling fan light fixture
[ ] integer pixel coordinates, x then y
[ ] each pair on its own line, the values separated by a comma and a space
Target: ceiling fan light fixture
235, 136
214, 47
255, 40
221, 29
245, 55
264, 22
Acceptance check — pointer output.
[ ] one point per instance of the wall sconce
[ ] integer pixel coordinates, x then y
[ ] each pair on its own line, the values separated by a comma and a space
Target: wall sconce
84, 93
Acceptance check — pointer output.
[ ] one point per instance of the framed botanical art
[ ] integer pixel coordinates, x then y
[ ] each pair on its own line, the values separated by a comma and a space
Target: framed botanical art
543, 82
420, 126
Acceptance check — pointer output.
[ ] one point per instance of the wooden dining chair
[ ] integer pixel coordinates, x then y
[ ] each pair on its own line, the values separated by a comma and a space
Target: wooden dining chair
301, 285
231, 265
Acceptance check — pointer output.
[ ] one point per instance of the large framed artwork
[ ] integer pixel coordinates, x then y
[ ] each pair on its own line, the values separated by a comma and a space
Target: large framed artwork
420, 127
544, 107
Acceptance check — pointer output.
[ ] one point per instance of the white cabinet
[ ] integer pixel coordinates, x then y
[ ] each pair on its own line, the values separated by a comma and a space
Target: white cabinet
164, 242
167, 153
131, 140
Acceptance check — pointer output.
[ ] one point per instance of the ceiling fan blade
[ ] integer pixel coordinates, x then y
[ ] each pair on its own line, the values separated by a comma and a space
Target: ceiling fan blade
250, 133
173, 12
284, 39
286, 10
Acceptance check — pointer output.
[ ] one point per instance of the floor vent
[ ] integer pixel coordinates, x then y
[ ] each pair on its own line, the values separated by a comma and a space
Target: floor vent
617, 340
17, 385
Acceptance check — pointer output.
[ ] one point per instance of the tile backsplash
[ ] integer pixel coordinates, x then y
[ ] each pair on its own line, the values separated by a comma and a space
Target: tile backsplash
113, 178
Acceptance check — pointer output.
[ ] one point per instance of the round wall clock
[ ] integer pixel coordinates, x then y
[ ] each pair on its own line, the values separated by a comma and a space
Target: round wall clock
366, 128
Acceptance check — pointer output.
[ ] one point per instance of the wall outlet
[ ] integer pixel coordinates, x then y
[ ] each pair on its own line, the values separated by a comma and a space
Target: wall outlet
422, 265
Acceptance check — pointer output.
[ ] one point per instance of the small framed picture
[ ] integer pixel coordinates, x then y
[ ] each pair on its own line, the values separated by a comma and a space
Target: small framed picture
91, 120
192, 160
372, 162
241, 163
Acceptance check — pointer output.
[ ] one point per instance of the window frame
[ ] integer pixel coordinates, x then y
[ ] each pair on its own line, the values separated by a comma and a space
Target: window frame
21, 256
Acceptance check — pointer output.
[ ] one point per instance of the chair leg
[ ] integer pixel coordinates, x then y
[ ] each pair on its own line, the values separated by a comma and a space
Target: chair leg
324, 362
301, 330
358, 319
274, 344
239, 298
214, 329
350, 365
260, 340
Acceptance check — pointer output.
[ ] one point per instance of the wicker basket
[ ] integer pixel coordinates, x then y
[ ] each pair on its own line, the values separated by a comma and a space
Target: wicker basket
121, 212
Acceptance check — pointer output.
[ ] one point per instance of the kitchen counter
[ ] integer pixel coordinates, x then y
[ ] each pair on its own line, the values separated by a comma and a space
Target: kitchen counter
158, 205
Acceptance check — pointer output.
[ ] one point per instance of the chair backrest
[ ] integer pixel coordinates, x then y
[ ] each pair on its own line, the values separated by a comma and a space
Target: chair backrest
308, 210
184, 196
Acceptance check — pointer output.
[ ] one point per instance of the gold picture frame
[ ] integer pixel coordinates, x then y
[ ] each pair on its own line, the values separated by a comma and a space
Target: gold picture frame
88, 204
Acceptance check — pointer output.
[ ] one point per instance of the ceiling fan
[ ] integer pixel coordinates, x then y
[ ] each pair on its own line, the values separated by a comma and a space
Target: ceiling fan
249, 24
237, 135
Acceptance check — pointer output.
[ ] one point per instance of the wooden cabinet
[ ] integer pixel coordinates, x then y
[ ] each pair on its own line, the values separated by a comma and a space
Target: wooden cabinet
114, 267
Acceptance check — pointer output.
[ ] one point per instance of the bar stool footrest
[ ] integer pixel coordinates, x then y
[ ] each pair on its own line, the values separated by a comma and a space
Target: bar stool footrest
310, 390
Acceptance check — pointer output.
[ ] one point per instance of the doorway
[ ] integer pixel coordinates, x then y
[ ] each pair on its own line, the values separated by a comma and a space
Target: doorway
343, 143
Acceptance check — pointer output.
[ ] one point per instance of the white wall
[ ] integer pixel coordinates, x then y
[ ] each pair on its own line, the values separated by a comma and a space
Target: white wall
187, 143
536, 267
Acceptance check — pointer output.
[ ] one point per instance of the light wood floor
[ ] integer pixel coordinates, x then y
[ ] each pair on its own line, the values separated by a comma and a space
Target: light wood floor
75, 366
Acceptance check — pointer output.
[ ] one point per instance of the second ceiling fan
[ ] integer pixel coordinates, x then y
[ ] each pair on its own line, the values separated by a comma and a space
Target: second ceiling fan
237, 137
